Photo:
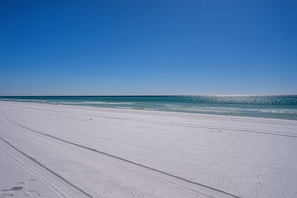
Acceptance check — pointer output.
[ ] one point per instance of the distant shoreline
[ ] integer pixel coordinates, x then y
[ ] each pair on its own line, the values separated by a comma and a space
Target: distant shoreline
280, 107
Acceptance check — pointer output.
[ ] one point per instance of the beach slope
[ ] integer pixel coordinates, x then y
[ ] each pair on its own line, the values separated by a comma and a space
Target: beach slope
75, 151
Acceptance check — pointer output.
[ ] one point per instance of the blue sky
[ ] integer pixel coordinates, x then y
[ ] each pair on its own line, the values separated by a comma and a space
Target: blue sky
192, 47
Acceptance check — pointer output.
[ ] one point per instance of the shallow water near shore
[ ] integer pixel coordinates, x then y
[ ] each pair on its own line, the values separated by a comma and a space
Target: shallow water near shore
281, 107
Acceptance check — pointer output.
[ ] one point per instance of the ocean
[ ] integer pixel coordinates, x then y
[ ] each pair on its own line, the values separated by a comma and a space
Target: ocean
282, 107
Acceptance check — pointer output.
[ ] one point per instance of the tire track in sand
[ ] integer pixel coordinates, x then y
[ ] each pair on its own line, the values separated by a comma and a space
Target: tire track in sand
62, 187
201, 189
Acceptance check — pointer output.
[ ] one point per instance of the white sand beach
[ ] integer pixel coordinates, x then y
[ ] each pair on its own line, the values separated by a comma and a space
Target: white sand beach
76, 151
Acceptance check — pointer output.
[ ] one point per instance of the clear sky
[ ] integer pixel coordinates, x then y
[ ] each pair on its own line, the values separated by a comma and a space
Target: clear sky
139, 47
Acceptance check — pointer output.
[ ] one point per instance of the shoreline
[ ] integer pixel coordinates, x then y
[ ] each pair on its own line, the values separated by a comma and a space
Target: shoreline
117, 151
278, 107
153, 110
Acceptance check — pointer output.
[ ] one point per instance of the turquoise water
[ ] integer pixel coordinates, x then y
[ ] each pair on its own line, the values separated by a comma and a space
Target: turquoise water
283, 107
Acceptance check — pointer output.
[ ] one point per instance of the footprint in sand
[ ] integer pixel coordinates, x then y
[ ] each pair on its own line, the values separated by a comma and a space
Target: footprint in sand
9, 192
32, 193
16, 190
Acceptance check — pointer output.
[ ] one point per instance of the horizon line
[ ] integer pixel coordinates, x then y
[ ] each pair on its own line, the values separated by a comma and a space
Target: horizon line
150, 95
